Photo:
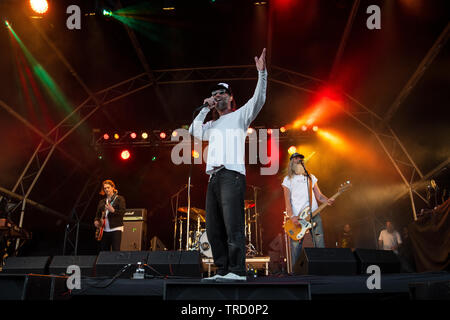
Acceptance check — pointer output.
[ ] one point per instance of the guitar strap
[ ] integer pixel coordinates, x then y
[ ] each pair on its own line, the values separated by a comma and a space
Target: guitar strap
310, 194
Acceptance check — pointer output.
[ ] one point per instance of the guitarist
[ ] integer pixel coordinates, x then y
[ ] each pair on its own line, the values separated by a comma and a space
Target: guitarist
113, 208
298, 193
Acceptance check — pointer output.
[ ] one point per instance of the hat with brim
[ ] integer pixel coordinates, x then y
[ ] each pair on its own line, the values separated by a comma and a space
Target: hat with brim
295, 155
222, 85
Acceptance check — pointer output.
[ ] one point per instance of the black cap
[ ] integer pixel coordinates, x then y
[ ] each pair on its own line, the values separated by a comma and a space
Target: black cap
222, 85
296, 154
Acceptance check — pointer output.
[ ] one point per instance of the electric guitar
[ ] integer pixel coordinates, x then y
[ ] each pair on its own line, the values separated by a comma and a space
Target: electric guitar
99, 231
297, 232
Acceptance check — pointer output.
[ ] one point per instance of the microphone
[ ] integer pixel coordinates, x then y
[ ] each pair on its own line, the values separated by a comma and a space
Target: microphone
202, 106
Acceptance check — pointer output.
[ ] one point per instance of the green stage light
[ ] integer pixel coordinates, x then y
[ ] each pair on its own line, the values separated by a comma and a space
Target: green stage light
107, 13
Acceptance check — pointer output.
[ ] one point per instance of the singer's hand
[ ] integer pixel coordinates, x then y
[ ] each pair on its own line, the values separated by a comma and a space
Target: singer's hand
261, 61
211, 102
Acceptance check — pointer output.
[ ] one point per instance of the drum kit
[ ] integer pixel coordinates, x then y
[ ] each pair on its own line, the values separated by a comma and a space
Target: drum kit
197, 239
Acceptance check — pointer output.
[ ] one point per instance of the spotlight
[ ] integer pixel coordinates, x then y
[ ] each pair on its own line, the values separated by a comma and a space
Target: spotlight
315, 128
162, 135
292, 150
125, 155
107, 13
144, 135
154, 158
249, 130
174, 133
133, 135
106, 136
304, 128
116, 136
195, 154
269, 131
39, 6
283, 129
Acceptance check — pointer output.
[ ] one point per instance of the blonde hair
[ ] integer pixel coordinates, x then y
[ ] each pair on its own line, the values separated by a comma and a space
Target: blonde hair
291, 169
111, 183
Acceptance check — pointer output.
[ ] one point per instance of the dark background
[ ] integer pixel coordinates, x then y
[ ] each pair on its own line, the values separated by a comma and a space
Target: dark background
375, 66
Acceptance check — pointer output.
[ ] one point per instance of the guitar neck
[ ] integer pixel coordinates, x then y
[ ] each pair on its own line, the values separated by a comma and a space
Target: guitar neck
323, 205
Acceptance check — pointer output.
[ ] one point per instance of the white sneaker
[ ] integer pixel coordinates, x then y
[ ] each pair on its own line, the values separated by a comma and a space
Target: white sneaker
211, 279
232, 277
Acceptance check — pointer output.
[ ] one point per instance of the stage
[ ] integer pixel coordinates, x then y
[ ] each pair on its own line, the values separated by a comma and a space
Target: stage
405, 286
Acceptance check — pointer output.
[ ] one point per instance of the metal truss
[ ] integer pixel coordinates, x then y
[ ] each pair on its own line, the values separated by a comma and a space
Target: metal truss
71, 234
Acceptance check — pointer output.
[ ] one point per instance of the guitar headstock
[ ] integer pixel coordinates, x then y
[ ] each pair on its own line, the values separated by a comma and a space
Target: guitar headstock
345, 186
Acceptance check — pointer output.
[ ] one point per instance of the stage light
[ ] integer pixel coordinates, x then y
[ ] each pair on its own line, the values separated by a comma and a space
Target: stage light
133, 135
315, 128
39, 6
283, 129
116, 136
292, 150
163, 135
195, 154
269, 131
304, 128
249, 130
144, 135
174, 134
154, 158
106, 136
107, 13
125, 155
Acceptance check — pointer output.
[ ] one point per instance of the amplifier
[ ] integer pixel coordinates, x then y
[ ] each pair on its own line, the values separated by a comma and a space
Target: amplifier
135, 215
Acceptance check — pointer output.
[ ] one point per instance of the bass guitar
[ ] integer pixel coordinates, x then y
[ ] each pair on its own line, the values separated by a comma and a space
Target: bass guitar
297, 232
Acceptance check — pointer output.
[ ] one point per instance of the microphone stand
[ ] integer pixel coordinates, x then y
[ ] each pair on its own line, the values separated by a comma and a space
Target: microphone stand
175, 214
192, 141
308, 178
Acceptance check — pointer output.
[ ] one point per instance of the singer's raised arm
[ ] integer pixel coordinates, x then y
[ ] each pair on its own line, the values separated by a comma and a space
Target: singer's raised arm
253, 106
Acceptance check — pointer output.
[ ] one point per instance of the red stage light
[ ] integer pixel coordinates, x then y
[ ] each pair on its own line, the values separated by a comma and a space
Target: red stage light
133, 135
269, 131
125, 155
163, 135
106, 136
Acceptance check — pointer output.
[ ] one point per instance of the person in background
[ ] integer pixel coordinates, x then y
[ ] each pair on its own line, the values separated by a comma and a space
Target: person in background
346, 237
389, 238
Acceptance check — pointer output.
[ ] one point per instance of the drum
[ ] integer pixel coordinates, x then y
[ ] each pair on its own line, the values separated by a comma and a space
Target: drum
205, 247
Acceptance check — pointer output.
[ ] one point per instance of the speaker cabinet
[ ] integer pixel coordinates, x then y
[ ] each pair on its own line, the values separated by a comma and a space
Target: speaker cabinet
25, 265
326, 261
32, 287
59, 265
110, 263
175, 263
387, 260
134, 236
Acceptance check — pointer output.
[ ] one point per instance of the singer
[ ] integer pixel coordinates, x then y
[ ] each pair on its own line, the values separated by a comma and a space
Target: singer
109, 217
298, 190
226, 169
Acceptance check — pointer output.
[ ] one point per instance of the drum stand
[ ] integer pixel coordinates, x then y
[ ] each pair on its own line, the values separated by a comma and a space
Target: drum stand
251, 250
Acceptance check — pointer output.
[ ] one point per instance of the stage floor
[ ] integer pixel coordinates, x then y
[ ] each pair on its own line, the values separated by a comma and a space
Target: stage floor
283, 287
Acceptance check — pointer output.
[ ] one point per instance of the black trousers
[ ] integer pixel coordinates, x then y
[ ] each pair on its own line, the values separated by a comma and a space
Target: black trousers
111, 241
225, 221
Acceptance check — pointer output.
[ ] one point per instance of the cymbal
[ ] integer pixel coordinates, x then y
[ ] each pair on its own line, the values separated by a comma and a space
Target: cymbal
249, 204
193, 210
195, 213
